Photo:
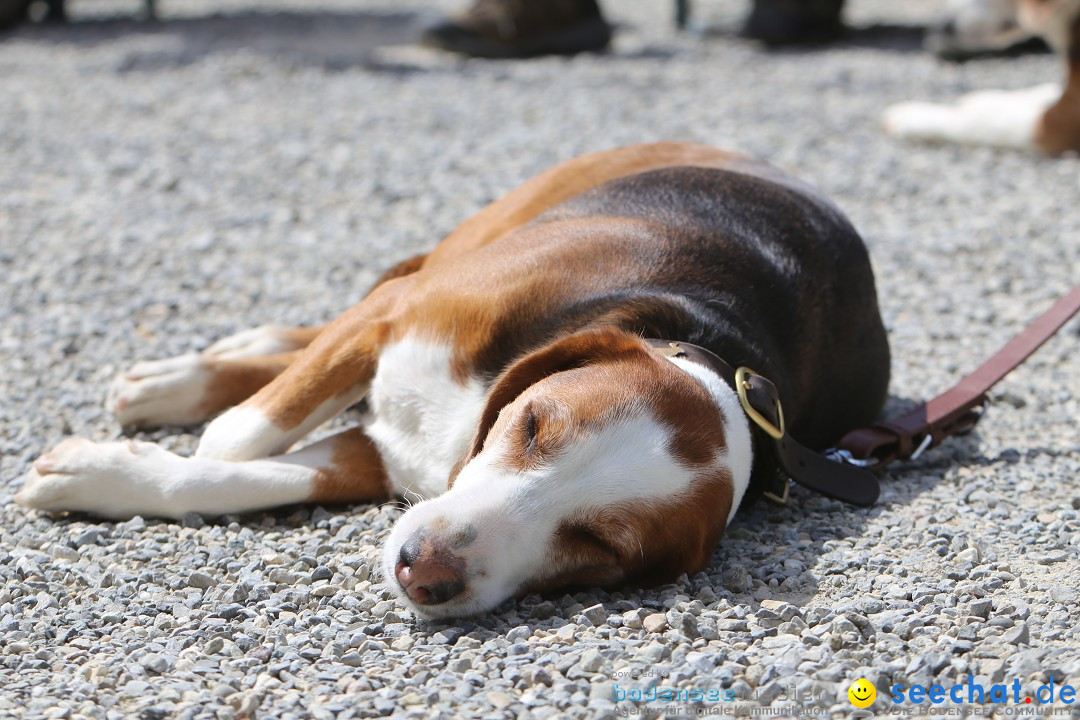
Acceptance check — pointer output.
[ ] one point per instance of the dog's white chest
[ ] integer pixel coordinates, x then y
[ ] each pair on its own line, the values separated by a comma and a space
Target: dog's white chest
421, 419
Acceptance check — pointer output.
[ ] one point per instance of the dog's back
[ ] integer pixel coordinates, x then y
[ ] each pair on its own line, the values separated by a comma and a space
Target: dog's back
750, 266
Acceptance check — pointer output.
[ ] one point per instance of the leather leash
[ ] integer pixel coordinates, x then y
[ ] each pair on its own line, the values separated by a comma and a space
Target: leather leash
957, 409
844, 472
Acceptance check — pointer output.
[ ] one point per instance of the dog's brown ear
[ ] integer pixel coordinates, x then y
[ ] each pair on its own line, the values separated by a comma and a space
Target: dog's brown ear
566, 353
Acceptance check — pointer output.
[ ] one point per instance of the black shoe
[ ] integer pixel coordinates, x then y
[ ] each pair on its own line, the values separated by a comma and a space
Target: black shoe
791, 22
522, 29
13, 12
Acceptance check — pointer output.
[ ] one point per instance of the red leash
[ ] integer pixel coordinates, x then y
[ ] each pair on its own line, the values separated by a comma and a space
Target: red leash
957, 409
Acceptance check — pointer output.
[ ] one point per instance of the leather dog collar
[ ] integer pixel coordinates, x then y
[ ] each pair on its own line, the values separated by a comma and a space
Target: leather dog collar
843, 472
760, 401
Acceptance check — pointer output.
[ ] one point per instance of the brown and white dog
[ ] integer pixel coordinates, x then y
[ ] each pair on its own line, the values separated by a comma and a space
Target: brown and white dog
506, 379
1043, 118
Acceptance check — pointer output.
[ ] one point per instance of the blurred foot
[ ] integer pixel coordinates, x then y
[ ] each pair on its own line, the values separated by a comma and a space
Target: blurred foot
12, 12
55, 11
522, 29
790, 22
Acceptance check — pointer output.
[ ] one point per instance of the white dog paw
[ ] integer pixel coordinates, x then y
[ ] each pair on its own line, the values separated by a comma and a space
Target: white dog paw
117, 479
161, 392
263, 340
1000, 118
916, 120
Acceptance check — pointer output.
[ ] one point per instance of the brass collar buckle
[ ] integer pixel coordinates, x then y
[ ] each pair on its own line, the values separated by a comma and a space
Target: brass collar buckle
744, 384
767, 415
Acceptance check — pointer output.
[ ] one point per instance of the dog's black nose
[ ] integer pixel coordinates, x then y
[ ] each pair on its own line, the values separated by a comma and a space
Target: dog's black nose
410, 550
428, 572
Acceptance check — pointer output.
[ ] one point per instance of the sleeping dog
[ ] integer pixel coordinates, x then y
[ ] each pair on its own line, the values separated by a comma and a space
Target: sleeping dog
535, 377
1044, 118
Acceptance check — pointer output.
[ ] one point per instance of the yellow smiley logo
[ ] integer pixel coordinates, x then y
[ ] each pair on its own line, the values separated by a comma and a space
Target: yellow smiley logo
861, 693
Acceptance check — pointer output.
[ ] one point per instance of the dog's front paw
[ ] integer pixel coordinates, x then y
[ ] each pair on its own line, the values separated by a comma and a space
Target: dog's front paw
115, 479
263, 340
161, 392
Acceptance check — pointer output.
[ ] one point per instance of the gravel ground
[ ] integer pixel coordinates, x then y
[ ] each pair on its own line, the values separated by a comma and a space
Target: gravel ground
163, 185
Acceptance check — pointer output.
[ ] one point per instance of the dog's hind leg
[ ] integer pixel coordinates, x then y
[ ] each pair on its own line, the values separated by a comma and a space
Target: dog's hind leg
188, 389
122, 479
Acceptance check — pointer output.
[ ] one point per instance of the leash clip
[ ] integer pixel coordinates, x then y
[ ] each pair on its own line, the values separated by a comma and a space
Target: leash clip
927, 439
743, 384
844, 457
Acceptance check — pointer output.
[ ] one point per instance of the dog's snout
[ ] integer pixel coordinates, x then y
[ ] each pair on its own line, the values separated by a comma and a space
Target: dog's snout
428, 572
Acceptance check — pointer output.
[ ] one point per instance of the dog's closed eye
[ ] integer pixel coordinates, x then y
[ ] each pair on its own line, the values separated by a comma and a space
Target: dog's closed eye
541, 432
530, 428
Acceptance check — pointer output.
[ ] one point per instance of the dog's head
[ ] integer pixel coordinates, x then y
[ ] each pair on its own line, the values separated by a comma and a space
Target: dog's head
596, 462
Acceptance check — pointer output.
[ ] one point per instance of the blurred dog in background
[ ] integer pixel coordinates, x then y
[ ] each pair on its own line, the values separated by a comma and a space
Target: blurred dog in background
1043, 118
977, 27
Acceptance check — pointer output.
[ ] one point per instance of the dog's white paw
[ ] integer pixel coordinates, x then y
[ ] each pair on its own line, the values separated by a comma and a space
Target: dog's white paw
116, 479
161, 392
1001, 118
263, 340
917, 120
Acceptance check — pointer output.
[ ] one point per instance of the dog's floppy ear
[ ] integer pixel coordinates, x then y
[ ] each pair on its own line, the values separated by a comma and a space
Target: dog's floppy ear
580, 349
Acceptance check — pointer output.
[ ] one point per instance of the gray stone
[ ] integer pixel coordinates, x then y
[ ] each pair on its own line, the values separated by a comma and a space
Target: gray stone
596, 614
192, 520
158, 664
657, 622
1064, 595
593, 661
981, 607
90, 536
201, 580
737, 579
447, 636
1018, 635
